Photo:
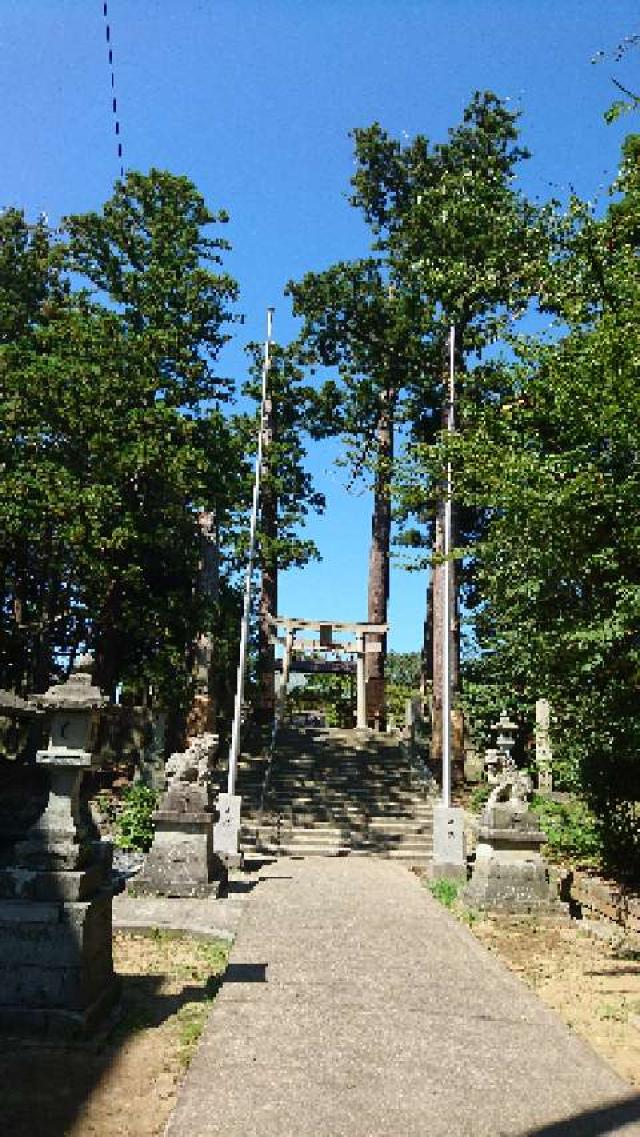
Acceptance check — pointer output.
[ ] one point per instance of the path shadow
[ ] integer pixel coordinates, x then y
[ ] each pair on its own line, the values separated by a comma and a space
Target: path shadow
610, 1118
45, 1087
246, 973
240, 887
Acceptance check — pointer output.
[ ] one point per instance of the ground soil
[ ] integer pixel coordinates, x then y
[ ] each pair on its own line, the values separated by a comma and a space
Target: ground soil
125, 1084
591, 977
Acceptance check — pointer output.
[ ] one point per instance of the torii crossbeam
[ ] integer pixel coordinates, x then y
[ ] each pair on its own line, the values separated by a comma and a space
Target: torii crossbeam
324, 641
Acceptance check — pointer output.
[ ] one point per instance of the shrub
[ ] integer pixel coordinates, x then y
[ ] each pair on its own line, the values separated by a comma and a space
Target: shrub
134, 820
573, 831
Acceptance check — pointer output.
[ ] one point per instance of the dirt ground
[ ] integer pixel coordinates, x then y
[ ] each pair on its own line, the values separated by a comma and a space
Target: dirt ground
591, 978
126, 1084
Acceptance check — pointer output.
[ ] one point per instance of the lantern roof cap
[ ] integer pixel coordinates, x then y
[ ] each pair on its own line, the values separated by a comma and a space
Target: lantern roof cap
77, 692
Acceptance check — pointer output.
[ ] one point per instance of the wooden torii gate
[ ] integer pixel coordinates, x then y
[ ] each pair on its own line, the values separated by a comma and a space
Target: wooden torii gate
324, 642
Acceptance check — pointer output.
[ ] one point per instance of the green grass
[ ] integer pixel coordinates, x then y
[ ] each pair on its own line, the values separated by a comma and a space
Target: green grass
195, 969
445, 891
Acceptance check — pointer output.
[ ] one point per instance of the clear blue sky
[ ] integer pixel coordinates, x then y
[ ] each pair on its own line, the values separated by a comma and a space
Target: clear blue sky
254, 99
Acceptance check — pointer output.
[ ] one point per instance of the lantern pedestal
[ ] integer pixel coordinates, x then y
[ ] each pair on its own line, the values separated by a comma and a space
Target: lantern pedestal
56, 967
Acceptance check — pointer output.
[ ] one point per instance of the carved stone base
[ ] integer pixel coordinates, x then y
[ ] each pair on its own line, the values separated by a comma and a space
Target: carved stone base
181, 861
510, 874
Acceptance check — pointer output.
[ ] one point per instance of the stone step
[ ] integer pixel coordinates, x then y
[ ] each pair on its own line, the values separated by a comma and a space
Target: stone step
328, 808
316, 792
345, 840
340, 819
339, 825
401, 782
340, 836
408, 856
339, 765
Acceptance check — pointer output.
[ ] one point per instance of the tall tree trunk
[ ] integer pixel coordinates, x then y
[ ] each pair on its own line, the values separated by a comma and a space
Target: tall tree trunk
378, 591
268, 606
204, 711
108, 640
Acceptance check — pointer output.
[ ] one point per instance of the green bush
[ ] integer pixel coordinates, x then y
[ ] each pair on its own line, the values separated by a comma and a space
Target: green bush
479, 796
134, 820
573, 832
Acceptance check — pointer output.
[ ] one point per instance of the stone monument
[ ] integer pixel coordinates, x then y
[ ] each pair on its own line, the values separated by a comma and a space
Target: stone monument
544, 754
56, 968
510, 874
181, 861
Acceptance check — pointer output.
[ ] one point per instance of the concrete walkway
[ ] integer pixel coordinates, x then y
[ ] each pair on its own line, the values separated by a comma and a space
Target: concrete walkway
354, 1006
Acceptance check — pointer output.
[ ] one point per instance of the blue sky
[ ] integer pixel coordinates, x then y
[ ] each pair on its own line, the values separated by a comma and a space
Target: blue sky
254, 100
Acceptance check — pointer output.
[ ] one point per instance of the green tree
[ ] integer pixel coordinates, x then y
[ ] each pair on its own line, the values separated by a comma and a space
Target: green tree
555, 463
148, 256
109, 439
470, 247
358, 322
453, 243
33, 481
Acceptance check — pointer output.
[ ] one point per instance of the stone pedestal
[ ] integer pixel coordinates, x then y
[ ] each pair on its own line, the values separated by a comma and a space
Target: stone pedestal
510, 874
56, 968
182, 861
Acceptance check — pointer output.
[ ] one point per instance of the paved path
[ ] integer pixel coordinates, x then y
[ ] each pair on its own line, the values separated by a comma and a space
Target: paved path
355, 1006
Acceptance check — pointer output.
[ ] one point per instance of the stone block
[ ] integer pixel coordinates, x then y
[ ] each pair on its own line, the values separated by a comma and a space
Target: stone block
31, 884
510, 874
226, 831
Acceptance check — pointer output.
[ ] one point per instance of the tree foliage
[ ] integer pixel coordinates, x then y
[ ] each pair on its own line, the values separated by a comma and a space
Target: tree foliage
107, 444
554, 463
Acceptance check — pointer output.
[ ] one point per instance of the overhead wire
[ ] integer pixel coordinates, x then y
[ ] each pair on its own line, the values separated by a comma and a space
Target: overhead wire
114, 98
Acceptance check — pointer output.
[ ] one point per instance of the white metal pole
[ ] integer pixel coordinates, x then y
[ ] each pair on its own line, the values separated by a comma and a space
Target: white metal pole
234, 749
446, 585
361, 685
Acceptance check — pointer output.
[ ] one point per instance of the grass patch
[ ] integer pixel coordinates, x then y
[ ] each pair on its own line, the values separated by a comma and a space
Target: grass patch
168, 979
192, 1019
445, 891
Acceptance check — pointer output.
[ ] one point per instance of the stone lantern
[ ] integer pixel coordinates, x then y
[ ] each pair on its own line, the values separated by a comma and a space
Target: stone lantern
62, 836
74, 707
56, 968
505, 736
509, 873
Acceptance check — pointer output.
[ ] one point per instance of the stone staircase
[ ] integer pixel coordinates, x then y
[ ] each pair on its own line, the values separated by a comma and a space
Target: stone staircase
336, 793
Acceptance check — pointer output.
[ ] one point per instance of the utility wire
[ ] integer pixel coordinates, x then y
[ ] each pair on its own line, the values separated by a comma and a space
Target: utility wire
114, 101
